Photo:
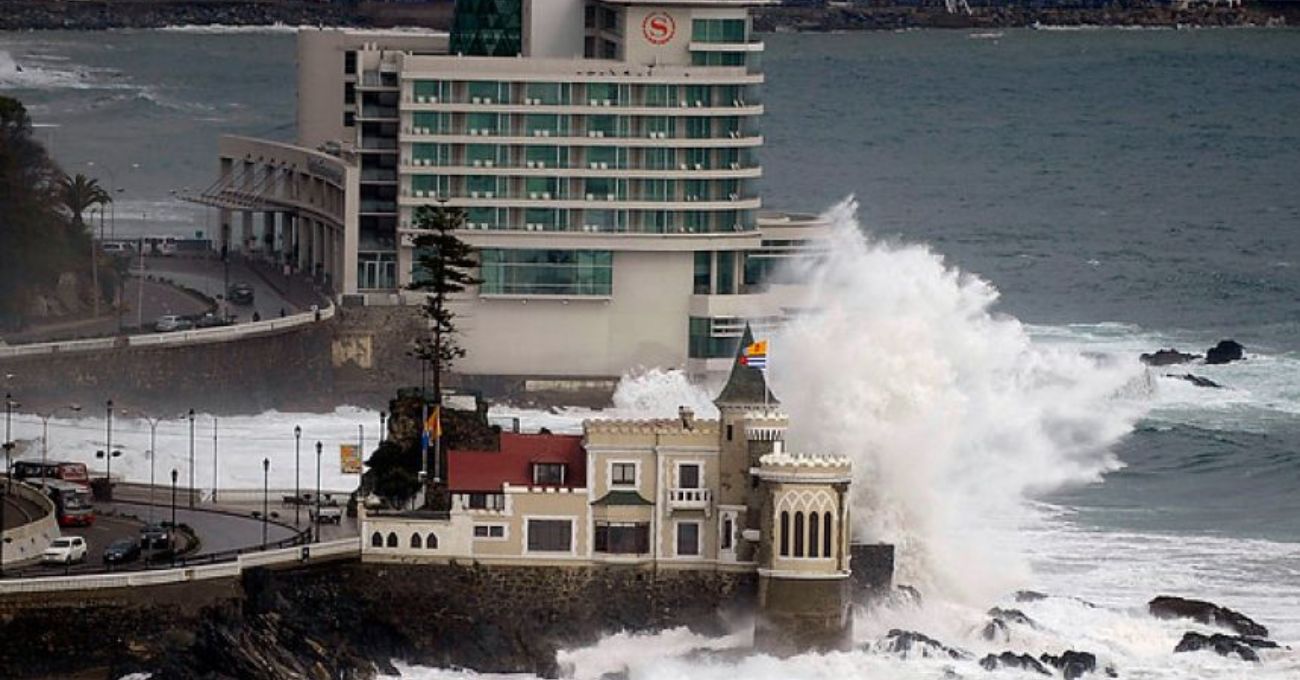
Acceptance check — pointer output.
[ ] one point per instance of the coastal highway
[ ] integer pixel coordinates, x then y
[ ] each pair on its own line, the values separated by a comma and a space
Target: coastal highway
217, 532
19, 511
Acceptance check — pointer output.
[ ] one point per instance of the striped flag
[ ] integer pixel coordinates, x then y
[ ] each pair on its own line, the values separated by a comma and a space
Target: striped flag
755, 355
433, 426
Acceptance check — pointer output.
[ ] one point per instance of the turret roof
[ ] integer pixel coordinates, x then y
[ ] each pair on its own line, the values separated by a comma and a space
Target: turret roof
746, 386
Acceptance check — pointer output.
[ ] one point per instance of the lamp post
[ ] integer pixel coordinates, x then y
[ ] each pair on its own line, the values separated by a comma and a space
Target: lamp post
108, 446
214, 459
45, 431
153, 456
10, 404
191, 416
383, 432
266, 472
319, 448
171, 533
297, 491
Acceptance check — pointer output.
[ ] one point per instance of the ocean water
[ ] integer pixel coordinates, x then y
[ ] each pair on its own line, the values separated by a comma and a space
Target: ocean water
1031, 213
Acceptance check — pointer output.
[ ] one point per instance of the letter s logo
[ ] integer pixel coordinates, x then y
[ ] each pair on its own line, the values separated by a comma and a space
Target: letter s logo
658, 28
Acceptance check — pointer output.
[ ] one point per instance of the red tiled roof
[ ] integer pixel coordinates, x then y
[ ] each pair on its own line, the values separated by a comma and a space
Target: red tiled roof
486, 471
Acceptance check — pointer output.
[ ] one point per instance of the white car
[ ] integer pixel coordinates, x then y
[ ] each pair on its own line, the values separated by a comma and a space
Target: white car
65, 550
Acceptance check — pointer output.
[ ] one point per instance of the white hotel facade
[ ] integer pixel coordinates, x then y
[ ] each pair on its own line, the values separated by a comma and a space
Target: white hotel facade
605, 153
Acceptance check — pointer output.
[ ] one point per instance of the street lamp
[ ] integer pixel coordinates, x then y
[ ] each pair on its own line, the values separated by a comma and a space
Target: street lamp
153, 456
45, 431
266, 472
10, 405
191, 415
383, 432
108, 446
297, 491
171, 533
214, 460
319, 448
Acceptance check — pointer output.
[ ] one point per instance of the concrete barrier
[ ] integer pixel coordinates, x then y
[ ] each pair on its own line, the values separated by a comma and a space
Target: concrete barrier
316, 552
25, 543
173, 339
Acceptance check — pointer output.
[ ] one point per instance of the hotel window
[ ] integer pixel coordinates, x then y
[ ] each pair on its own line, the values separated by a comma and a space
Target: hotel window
599, 93
482, 154
658, 190
698, 127
623, 538
547, 156
703, 274
658, 221
486, 501
350, 62
697, 190
726, 272
602, 126
349, 93
426, 123
698, 95
546, 125
661, 95
546, 272
718, 30
548, 219
482, 123
603, 157
376, 270
622, 474
427, 91
550, 535
661, 159
703, 343
489, 92
697, 158
548, 474
717, 58
688, 538
659, 125
688, 476
727, 529
695, 221
349, 119
551, 94
489, 531
479, 186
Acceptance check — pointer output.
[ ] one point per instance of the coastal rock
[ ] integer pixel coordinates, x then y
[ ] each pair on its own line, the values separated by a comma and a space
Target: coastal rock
1012, 616
1224, 645
1167, 357
1071, 664
905, 594
1168, 607
1195, 380
1011, 660
911, 644
996, 631
1224, 352
1030, 596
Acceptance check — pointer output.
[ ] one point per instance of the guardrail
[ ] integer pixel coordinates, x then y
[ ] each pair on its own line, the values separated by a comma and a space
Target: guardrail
174, 338
343, 548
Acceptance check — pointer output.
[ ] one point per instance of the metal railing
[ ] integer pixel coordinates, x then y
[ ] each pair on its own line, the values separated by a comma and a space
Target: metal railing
192, 337
191, 570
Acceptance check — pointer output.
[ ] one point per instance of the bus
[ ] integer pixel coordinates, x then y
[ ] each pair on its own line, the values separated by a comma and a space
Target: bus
72, 506
65, 471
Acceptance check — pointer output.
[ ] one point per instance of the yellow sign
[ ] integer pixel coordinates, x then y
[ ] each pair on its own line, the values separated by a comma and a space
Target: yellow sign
350, 459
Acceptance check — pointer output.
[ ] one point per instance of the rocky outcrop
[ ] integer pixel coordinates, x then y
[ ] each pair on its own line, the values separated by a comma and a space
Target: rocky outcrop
1225, 645
909, 644
1167, 357
1011, 660
1168, 607
1071, 664
1195, 380
1224, 352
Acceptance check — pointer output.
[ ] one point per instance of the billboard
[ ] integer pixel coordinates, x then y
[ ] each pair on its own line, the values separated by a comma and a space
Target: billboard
350, 459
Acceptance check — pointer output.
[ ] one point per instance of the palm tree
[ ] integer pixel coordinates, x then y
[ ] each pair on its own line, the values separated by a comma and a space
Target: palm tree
79, 194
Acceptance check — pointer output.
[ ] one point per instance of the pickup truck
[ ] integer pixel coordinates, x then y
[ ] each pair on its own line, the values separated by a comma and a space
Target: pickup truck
328, 514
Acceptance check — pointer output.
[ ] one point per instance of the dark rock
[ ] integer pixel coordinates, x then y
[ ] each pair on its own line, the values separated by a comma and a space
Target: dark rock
1224, 352
1167, 357
1012, 616
996, 631
1225, 645
1166, 607
908, 594
1071, 664
1010, 660
1195, 380
910, 644
1030, 596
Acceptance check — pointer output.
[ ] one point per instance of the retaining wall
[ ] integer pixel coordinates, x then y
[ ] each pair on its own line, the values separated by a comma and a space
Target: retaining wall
25, 543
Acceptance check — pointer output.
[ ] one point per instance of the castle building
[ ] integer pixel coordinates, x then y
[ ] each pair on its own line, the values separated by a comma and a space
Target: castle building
606, 155
666, 494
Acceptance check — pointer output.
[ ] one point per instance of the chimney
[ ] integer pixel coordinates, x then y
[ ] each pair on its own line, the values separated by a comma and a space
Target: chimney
687, 416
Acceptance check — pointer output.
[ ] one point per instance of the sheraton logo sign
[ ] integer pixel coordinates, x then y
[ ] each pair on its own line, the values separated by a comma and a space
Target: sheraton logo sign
659, 28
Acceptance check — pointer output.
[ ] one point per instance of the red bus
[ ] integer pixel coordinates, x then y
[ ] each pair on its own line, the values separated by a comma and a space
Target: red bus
72, 505
66, 471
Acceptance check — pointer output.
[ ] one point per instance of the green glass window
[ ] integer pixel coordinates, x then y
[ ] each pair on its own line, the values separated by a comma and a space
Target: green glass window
698, 127
547, 272
481, 186
482, 154
696, 221
658, 190
661, 95
717, 58
659, 125
697, 159
718, 30
547, 156
606, 126
483, 123
430, 154
703, 272
488, 92
542, 188
599, 188
489, 218
661, 159
430, 186
488, 28
544, 124
703, 344
698, 95
726, 272
427, 91
599, 93
427, 123
551, 94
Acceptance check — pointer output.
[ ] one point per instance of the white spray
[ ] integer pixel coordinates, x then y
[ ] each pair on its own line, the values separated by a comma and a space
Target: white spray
951, 415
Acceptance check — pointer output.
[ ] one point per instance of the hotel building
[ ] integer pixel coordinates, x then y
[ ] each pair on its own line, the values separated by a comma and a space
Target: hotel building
605, 153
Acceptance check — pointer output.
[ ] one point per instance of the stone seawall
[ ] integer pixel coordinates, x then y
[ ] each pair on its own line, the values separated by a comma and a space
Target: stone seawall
347, 620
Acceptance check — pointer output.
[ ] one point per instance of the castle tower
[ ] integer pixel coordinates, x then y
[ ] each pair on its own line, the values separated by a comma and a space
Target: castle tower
803, 555
750, 426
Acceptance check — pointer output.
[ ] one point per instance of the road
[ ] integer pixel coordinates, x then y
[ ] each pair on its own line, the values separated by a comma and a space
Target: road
18, 510
209, 277
105, 530
217, 532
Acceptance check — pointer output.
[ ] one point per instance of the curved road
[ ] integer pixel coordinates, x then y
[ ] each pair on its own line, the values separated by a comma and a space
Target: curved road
217, 532
17, 510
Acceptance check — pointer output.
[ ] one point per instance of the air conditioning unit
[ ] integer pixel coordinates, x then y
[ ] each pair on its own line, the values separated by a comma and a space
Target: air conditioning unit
473, 194
421, 98
699, 103
594, 165
546, 133
487, 100
735, 197
600, 133
609, 197
735, 166
488, 194
546, 195
607, 102
532, 195
488, 163
541, 164
478, 163
594, 102
531, 164
419, 193
591, 197
683, 102
685, 166
591, 133
433, 100
476, 100
699, 166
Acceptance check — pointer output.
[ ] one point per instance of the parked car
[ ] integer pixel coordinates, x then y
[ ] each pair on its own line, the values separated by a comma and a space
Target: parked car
119, 249
329, 514
240, 294
154, 536
121, 550
172, 322
211, 320
65, 550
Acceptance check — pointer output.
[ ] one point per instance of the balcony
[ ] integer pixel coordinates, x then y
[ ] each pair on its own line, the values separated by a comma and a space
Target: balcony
690, 499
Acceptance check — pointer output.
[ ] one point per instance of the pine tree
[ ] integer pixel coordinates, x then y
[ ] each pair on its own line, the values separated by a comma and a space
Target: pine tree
447, 264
